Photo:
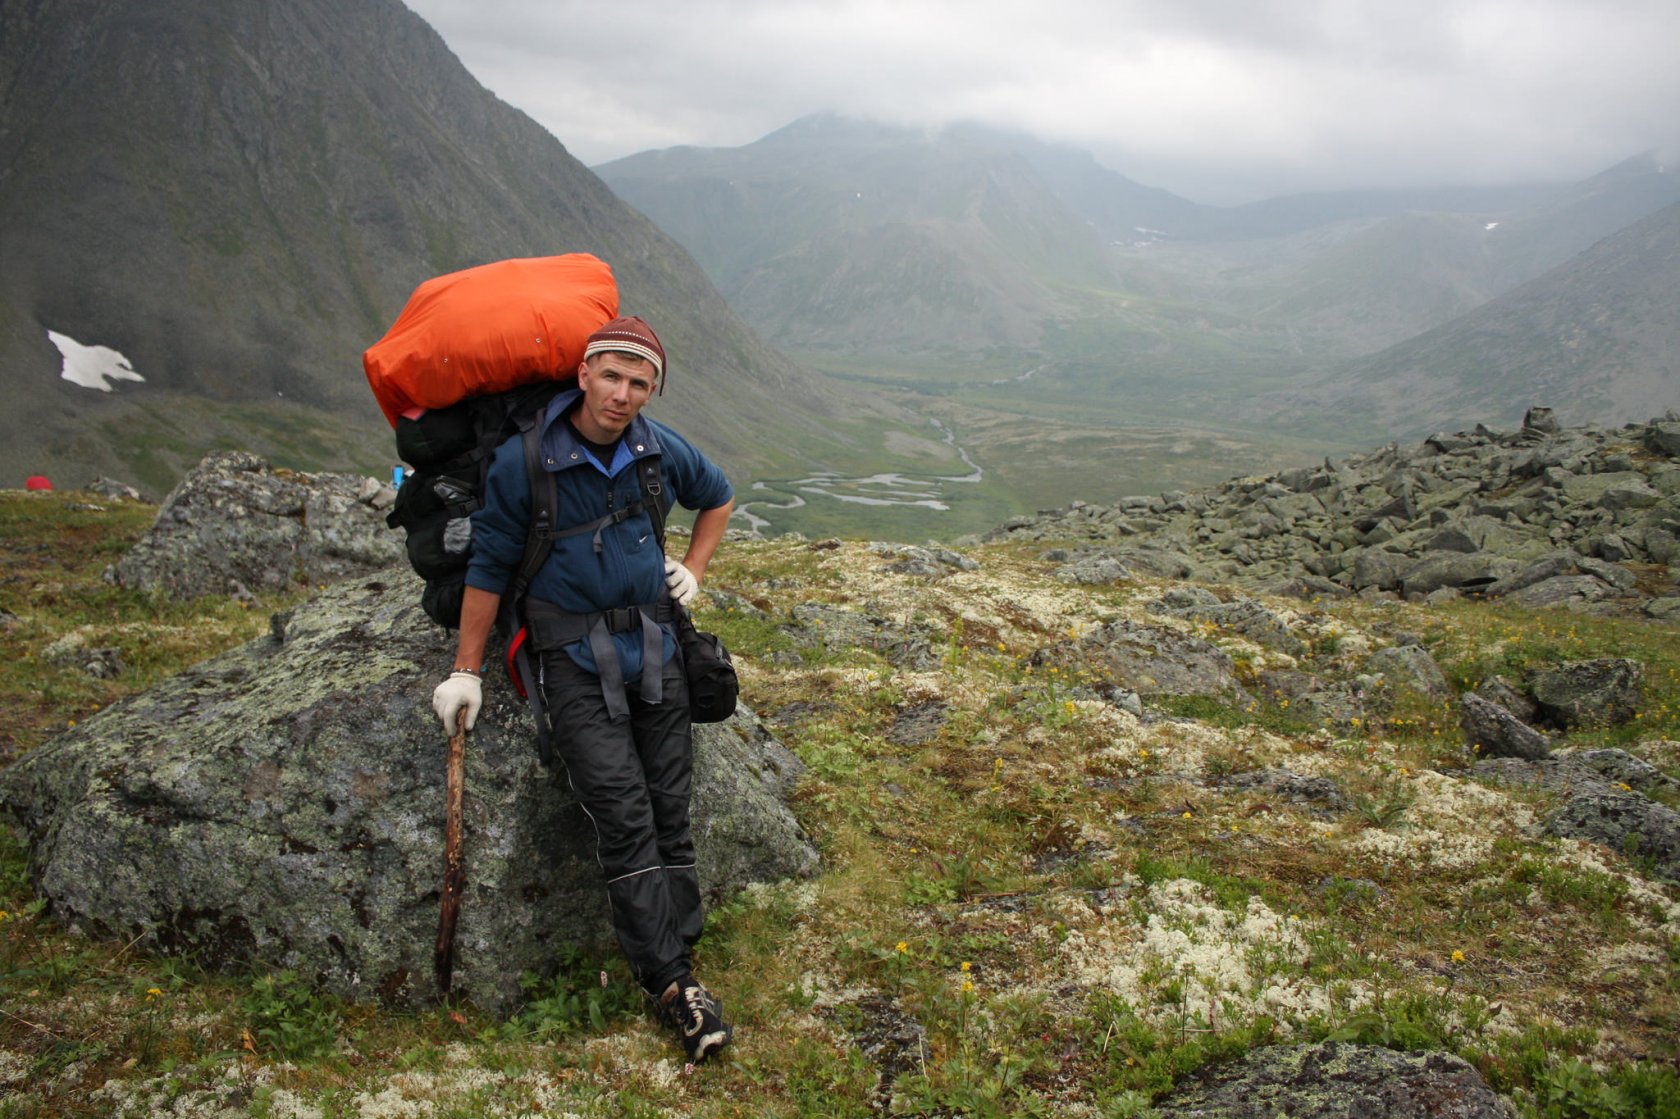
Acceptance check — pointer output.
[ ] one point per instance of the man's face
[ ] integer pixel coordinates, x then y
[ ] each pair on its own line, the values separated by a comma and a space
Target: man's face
615, 386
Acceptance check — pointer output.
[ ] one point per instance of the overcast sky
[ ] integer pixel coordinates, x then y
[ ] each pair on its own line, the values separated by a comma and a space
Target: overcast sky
1220, 100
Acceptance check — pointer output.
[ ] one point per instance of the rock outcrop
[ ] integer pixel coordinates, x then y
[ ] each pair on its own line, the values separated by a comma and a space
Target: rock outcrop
1602, 798
1335, 1080
237, 525
1584, 518
283, 804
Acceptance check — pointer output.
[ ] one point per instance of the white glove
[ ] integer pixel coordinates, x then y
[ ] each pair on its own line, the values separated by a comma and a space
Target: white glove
462, 689
680, 581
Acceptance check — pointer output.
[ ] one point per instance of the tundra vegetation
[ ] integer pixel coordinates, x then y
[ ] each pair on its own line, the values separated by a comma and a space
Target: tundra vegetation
1046, 890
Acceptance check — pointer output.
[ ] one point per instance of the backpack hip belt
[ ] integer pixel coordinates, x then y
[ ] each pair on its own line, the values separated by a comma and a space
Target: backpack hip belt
552, 628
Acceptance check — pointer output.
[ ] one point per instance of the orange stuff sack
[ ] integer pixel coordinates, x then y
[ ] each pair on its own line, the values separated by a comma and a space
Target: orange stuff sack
488, 329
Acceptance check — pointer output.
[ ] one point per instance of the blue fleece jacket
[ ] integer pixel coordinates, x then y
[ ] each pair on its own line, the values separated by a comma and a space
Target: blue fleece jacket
630, 569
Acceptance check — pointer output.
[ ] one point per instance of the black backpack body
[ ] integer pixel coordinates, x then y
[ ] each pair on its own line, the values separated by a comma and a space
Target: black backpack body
450, 451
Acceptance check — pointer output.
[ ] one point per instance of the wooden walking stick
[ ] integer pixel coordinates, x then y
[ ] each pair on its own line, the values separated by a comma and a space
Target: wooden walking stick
443, 958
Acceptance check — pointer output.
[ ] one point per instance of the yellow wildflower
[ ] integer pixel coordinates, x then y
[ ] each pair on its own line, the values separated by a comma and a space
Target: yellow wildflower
1457, 956
153, 993
968, 985
902, 947
966, 966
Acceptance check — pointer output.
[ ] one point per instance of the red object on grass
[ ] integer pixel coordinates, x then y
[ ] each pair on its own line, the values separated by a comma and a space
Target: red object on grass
37, 482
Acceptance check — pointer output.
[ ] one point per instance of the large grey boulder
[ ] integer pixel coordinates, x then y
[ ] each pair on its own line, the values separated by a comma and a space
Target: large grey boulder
1409, 668
1244, 615
1664, 436
236, 524
1095, 570
1454, 569
1319, 795
1624, 821
822, 627
1150, 660
282, 805
1336, 1080
1494, 732
1603, 692
1602, 799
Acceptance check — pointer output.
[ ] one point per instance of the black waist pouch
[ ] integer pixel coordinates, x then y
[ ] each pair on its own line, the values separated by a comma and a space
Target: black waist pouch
712, 685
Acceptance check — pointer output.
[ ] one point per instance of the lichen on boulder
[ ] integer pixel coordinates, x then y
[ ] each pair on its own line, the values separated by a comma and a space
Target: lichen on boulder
237, 525
283, 804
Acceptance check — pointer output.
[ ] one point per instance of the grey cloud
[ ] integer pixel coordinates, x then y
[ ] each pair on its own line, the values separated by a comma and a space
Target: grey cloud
1322, 94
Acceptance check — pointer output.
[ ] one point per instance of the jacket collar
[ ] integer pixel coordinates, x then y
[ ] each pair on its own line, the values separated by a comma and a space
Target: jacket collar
562, 450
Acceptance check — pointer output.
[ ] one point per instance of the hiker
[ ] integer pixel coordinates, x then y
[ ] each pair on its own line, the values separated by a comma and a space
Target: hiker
600, 619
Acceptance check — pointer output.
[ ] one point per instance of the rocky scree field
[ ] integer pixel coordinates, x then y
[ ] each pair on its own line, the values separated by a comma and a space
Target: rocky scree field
1086, 839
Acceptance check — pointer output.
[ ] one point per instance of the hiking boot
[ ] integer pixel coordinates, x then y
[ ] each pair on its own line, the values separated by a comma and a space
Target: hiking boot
697, 1017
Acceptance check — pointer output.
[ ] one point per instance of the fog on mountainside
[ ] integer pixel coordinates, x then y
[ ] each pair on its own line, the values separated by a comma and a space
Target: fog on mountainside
974, 256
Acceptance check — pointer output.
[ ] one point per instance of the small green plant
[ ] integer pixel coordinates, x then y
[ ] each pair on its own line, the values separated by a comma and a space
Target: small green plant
956, 877
1384, 809
146, 1025
1573, 1089
285, 1018
583, 994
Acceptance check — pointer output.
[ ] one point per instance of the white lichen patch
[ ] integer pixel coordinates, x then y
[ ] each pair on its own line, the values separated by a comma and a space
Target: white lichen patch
1181, 748
392, 1102
1262, 747
1423, 847
1054, 609
284, 1104
14, 1067
923, 687
1449, 824
1192, 958
1661, 752
1120, 728
1644, 898
800, 897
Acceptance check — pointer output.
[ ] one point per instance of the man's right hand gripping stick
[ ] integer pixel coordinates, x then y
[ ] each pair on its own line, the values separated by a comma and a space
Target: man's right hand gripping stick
462, 691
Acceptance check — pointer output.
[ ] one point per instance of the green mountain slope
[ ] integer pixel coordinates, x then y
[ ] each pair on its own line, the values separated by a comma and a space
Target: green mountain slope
1596, 338
240, 195
833, 234
1027, 278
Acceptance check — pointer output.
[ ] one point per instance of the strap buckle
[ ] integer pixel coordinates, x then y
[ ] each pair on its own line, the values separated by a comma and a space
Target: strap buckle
622, 619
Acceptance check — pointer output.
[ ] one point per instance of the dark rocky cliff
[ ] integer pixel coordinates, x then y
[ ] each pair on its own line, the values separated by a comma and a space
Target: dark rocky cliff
239, 197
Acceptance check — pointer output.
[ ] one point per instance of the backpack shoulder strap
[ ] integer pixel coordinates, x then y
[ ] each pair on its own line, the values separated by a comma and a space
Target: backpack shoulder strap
545, 502
653, 495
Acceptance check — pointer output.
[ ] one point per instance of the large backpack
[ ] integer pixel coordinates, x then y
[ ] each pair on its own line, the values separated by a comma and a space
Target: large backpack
472, 359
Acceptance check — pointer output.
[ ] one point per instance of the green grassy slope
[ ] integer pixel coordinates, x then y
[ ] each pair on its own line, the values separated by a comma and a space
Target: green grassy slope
1050, 905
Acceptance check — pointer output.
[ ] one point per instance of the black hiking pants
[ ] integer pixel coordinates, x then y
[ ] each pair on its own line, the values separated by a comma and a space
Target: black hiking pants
632, 778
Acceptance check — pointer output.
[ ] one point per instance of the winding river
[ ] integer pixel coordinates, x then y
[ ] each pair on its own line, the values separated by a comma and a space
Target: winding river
876, 489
